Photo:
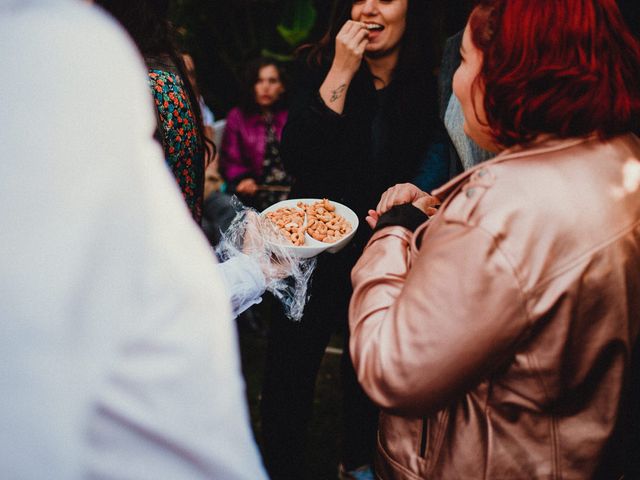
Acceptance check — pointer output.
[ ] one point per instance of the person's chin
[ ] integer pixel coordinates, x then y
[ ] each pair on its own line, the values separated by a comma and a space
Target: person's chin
375, 52
378, 51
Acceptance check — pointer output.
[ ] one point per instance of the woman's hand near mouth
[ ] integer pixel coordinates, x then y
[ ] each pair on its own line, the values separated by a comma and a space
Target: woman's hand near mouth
351, 42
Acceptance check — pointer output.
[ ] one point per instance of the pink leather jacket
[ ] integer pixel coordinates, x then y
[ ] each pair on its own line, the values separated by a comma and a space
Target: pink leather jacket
243, 143
497, 338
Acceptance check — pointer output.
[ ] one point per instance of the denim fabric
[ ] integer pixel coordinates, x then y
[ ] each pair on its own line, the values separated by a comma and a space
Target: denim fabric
469, 152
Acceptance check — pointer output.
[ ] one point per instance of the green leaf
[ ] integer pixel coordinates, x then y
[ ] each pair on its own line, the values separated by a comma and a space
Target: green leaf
299, 19
279, 57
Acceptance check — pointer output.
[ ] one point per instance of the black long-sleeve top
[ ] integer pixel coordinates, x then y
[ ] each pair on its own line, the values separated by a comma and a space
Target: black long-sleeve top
380, 140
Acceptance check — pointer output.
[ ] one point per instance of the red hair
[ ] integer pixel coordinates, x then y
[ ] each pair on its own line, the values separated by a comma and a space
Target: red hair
562, 67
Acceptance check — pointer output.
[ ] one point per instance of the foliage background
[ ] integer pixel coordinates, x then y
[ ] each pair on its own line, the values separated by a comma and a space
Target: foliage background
222, 35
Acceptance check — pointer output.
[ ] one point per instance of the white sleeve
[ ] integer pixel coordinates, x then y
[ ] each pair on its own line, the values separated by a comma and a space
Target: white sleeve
120, 356
172, 402
244, 280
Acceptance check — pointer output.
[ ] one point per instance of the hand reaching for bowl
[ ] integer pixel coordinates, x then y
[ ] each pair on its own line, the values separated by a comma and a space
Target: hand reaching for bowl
399, 195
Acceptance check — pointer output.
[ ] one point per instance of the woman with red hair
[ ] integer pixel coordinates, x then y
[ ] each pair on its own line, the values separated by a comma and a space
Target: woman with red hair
497, 336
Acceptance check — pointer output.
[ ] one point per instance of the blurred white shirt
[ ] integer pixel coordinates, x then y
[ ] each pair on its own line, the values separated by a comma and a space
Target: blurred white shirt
118, 355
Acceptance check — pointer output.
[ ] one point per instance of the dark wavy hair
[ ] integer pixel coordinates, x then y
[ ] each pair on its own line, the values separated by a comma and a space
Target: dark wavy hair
562, 67
417, 52
413, 86
248, 95
147, 22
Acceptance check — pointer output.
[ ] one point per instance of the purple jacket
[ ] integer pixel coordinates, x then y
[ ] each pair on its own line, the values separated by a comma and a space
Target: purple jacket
243, 143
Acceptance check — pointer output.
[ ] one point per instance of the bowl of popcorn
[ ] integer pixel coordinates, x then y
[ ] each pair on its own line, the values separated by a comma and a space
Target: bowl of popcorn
310, 226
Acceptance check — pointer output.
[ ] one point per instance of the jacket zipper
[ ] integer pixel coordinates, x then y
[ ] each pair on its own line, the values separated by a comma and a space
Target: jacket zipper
423, 440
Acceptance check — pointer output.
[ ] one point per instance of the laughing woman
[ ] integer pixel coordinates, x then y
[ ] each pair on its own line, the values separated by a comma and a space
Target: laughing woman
497, 338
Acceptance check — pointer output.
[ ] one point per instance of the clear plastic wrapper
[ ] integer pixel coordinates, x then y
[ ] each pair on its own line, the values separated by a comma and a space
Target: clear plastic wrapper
253, 241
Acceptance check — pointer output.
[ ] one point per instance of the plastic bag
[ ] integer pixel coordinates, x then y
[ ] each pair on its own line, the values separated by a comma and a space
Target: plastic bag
256, 241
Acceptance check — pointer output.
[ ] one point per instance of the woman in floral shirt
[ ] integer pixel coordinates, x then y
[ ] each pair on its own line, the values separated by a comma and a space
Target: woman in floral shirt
179, 134
180, 129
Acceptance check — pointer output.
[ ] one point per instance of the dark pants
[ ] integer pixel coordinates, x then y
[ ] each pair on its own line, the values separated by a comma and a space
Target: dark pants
294, 353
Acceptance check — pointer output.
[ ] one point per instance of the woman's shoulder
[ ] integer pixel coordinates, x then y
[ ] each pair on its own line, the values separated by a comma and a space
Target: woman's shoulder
234, 113
238, 116
164, 80
530, 180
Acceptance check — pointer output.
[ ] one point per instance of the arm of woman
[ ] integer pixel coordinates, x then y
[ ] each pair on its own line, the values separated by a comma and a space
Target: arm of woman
425, 330
351, 41
433, 169
316, 120
308, 140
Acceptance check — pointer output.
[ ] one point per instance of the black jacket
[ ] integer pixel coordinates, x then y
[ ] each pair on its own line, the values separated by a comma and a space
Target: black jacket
333, 155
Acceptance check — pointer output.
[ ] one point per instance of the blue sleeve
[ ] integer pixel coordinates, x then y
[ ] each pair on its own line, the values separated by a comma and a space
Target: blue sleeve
433, 170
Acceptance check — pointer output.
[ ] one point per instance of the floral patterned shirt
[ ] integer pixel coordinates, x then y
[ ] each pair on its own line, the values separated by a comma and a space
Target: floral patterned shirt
179, 132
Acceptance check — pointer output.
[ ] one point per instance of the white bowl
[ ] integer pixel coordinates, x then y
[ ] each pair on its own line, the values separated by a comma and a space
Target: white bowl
313, 247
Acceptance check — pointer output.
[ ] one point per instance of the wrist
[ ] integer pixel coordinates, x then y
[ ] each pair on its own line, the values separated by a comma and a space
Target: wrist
406, 215
338, 75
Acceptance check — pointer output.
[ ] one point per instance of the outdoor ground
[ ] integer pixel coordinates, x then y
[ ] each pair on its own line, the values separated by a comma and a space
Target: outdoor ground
324, 438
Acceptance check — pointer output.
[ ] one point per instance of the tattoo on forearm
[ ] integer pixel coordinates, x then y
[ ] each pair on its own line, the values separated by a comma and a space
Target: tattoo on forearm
337, 93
